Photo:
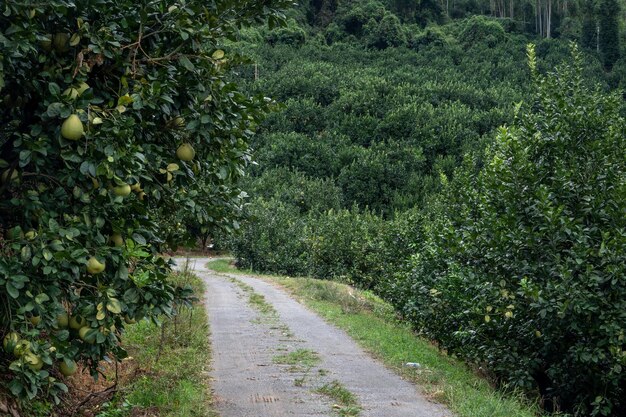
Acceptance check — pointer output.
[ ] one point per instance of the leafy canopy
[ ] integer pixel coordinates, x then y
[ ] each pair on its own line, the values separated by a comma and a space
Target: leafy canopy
87, 205
522, 262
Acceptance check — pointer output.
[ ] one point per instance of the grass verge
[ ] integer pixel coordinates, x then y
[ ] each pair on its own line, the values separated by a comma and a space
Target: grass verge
171, 378
371, 322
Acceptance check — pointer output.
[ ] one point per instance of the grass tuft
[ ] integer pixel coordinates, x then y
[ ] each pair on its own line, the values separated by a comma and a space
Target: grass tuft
261, 305
301, 360
346, 402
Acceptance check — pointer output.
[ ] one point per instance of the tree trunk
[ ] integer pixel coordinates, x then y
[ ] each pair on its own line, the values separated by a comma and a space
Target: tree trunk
539, 22
549, 20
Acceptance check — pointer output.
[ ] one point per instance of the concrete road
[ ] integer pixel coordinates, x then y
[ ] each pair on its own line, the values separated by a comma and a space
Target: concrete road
245, 343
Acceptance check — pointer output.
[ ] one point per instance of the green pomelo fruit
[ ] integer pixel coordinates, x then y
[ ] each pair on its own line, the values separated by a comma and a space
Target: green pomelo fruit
122, 190
63, 320
87, 335
94, 266
117, 239
185, 152
72, 128
82, 87
68, 367
33, 361
60, 42
76, 322
10, 342
21, 348
71, 93
5, 176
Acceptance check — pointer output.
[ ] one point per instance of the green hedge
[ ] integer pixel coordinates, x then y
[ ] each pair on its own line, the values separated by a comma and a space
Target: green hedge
522, 264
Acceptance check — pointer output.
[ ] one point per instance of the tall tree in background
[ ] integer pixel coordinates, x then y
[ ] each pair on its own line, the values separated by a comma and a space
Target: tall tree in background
609, 32
544, 18
323, 11
589, 25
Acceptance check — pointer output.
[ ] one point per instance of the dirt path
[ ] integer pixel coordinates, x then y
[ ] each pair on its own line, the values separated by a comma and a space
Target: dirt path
246, 345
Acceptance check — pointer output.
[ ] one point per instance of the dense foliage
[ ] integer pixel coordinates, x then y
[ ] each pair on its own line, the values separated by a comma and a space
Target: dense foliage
377, 126
574, 20
521, 265
386, 169
118, 124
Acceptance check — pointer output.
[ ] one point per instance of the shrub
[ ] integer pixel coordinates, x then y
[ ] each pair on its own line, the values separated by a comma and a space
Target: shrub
431, 36
272, 239
372, 179
333, 33
290, 34
480, 29
316, 157
353, 16
522, 264
384, 34
317, 81
344, 245
300, 116
308, 194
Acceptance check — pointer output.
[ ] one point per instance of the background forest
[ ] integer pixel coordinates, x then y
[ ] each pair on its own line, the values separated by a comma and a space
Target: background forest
386, 167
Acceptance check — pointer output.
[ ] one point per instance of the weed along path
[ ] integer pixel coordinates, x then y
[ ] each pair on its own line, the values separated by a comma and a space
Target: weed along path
274, 357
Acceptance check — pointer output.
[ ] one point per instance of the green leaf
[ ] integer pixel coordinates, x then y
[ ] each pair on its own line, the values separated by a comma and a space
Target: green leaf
16, 387
114, 306
62, 335
54, 89
41, 298
12, 291
139, 239
47, 255
187, 63
25, 157
26, 253
122, 272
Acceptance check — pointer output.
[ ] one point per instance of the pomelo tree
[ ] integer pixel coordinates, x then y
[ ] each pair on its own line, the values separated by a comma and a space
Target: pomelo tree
119, 120
522, 260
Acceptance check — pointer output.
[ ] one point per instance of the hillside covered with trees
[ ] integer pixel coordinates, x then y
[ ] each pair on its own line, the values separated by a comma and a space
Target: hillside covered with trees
425, 152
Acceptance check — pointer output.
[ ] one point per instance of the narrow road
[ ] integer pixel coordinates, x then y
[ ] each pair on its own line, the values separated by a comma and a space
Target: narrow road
248, 383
